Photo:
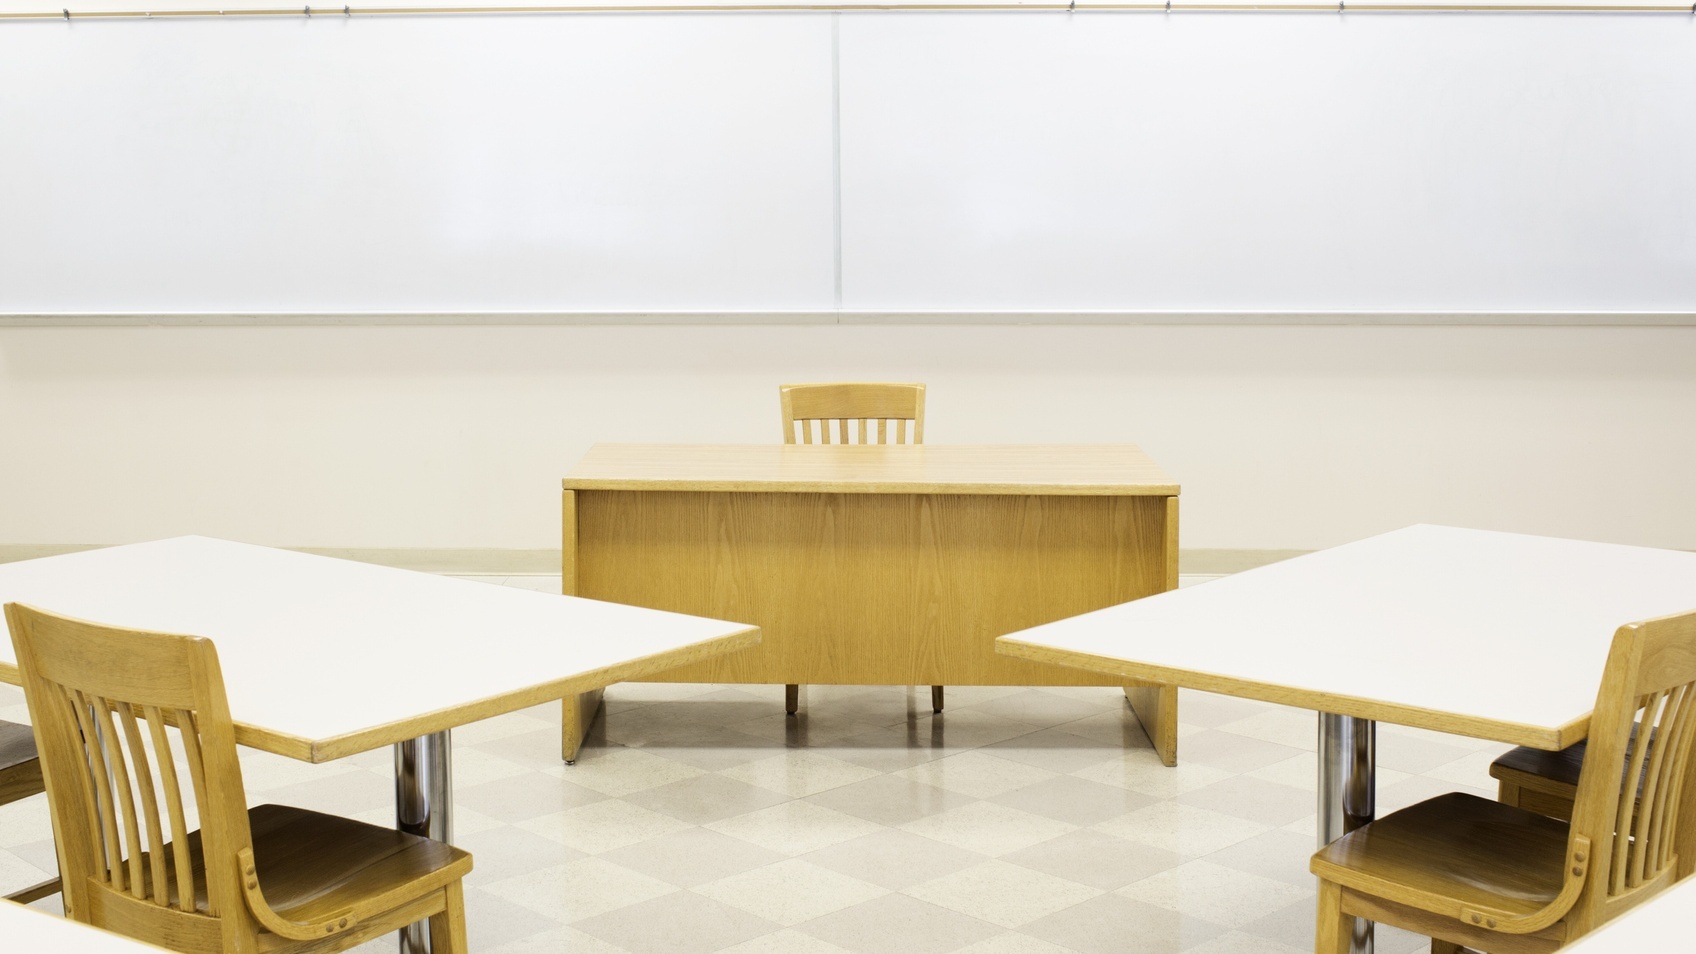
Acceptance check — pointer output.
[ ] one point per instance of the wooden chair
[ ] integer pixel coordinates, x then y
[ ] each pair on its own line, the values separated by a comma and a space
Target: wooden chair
1491, 877
20, 777
852, 409
107, 704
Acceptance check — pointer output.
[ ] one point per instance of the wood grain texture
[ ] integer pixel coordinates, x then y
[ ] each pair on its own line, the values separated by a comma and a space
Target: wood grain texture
1047, 470
273, 878
878, 589
853, 413
1495, 877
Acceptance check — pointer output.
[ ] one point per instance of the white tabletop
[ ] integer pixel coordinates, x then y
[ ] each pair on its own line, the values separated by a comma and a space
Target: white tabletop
323, 657
1496, 635
1662, 925
28, 930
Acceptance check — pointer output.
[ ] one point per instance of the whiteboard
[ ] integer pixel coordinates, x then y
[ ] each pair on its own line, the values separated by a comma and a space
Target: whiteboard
431, 164
1270, 162
854, 163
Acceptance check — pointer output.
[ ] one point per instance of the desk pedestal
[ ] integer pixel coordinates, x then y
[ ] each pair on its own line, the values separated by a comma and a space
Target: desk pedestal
877, 588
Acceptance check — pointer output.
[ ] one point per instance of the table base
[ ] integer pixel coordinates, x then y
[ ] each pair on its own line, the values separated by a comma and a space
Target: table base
1347, 780
423, 806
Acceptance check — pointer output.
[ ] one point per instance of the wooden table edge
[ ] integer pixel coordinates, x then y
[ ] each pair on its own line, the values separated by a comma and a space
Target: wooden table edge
388, 733
1513, 733
336, 747
880, 486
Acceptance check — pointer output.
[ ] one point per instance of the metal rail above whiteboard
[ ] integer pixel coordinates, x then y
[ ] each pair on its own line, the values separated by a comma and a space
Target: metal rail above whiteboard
777, 6
633, 318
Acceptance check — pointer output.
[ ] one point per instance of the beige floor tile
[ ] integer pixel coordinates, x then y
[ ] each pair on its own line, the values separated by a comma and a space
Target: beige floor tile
1012, 942
552, 942
894, 859
680, 923
790, 892
1236, 942
1415, 753
472, 766
492, 921
794, 827
523, 797
1302, 771
1215, 893
1076, 800
1095, 858
603, 826
692, 856
619, 771
1185, 829
1472, 770
1296, 728
1142, 771
1254, 799
977, 774
1001, 893
1107, 925
800, 773
705, 798
1056, 750
890, 800
988, 828
579, 889
1043, 709
1232, 752
786, 941
1279, 854
896, 922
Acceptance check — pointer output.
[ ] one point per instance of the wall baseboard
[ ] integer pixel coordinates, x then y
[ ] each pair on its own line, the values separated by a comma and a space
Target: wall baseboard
480, 561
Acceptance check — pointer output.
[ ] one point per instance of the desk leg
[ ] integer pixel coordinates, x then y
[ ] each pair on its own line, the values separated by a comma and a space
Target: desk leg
423, 806
1347, 779
577, 715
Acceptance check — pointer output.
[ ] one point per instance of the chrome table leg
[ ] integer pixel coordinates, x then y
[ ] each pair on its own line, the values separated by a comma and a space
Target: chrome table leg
1347, 766
423, 806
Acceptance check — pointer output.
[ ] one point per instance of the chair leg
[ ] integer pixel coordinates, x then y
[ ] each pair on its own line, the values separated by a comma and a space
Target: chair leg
1507, 793
1445, 947
447, 929
1332, 933
791, 698
936, 698
35, 892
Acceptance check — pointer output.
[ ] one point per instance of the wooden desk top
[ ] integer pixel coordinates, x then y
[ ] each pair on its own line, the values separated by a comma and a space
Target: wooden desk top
323, 658
1492, 635
1025, 469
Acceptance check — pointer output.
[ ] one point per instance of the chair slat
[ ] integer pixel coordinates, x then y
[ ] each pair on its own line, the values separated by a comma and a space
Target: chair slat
149, 803
883, 430
174, 805
900, 432
1663, 823
862, 423
1638, 748
189, 732
101, 777
126, 798
842, 430
1644, 811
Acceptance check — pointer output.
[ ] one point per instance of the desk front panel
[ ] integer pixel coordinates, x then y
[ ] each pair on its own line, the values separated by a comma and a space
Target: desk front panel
875, 589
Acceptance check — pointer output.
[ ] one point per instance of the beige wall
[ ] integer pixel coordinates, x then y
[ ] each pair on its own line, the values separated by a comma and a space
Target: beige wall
455, 437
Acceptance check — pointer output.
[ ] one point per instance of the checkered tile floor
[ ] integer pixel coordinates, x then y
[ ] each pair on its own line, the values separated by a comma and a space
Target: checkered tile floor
1020, 821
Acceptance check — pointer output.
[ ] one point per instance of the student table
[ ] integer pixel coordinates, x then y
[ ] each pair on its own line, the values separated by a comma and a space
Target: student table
324, 658
32, 931
877, 564
1492, 635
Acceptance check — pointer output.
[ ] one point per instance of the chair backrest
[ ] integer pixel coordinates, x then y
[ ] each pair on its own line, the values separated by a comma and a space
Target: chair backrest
890, 406
1632, 793
107, 704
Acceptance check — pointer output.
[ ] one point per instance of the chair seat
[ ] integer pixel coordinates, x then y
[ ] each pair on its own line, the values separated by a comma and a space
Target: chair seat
1453, 852
1541, 769
20, 768
312, 865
